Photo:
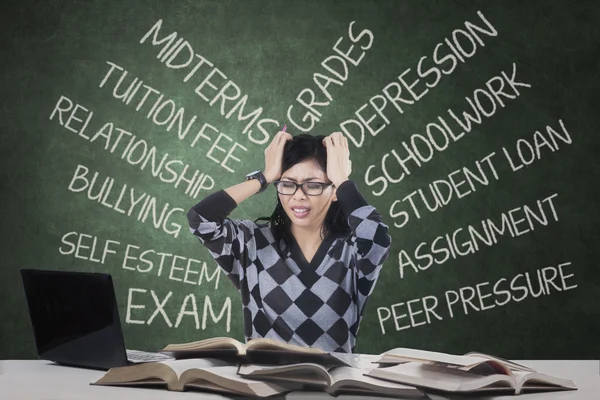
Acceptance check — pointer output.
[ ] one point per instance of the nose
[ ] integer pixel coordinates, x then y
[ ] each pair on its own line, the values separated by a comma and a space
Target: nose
299, 195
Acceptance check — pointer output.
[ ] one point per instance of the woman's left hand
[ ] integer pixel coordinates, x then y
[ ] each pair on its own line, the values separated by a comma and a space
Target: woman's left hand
338, 158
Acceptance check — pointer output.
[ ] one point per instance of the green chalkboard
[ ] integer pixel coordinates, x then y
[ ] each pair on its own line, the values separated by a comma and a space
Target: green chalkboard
472, 129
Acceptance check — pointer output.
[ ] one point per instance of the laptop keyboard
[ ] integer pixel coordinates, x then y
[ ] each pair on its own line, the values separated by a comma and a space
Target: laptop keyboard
137, 356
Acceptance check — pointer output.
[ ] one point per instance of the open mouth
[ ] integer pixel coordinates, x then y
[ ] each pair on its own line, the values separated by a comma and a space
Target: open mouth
300, 212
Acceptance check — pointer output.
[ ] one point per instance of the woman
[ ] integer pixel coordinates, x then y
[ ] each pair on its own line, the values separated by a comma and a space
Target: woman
305, 277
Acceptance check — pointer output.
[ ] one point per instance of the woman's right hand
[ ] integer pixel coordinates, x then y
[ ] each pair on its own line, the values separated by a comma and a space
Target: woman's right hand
274, 156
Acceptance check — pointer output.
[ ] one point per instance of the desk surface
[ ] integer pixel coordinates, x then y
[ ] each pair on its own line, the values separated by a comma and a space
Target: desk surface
36, 379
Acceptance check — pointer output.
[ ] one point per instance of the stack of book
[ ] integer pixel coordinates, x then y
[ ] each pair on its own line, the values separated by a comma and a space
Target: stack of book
264, 367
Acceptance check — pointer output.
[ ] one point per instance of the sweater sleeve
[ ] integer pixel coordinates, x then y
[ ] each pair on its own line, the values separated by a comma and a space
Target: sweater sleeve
225, 238
370, 237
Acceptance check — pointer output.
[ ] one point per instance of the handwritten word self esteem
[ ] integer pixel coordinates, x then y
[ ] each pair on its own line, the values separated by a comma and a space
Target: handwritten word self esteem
550, 280
335, 72
409, 89
214, 87
173, 267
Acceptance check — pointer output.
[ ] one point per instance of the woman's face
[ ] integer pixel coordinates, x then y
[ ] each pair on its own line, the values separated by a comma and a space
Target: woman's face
304, 210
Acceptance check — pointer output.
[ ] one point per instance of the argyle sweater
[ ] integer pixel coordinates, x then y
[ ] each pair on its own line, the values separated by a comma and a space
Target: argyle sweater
284, 297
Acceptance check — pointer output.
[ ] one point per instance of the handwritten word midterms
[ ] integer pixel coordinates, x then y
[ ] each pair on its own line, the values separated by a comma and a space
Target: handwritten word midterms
214, 87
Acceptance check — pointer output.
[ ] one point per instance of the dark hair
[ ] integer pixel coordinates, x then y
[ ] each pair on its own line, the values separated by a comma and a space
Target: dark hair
301, 148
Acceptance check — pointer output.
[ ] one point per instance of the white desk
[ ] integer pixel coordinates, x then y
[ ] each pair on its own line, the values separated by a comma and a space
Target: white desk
43, 380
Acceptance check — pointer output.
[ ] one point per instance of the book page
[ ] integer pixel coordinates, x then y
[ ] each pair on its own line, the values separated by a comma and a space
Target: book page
406, 354
260, 369
511, 364
348, 379
148, 373
227, 377
270, 344
464, 363
540, 381
442, 378
366, 361
207, 344
308, 373
180, 366
204, 385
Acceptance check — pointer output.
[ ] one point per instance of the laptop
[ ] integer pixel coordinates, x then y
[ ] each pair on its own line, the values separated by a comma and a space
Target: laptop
75, 320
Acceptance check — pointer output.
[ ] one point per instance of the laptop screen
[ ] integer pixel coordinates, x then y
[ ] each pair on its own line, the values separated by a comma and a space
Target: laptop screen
66, 306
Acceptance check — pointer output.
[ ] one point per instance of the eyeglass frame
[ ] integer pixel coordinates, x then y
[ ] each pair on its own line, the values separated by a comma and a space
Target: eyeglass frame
301, 186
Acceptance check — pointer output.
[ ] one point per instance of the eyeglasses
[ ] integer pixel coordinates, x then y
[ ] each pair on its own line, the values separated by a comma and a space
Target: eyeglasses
309, 188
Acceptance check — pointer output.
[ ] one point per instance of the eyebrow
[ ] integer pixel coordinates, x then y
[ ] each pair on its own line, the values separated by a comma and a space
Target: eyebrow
294, 180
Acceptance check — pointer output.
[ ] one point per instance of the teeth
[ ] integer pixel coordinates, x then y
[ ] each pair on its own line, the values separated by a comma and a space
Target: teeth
300, 209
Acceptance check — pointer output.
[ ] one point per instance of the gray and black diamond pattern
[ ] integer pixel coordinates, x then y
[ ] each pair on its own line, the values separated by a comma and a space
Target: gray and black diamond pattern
284, 297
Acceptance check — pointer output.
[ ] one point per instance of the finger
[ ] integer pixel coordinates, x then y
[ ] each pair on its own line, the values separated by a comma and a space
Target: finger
283, 138
275, 138
344, 140
340, 139
280, 136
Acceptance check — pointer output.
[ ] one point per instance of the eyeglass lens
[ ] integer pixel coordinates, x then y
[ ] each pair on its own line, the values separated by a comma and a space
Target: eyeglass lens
310, 188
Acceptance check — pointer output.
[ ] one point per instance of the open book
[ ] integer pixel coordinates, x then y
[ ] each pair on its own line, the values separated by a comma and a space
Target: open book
259, 350
181, 375
465, 362
479, 379
333, 380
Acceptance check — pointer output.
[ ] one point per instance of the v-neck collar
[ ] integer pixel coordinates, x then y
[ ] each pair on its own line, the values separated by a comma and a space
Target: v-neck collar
317, 259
